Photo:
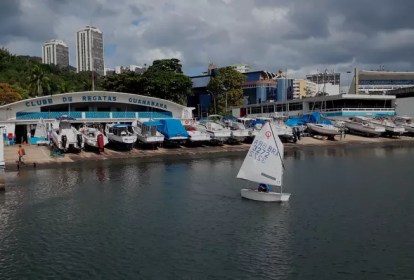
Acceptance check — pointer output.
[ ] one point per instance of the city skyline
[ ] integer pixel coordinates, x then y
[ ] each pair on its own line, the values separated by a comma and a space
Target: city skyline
267, 35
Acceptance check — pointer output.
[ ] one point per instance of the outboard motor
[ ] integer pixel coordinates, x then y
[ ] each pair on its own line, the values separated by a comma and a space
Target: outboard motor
64, 141
79, 138
100, 140
296, 132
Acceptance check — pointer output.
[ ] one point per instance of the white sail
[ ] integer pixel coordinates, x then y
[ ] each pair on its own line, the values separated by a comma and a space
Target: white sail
263, 162
41, 131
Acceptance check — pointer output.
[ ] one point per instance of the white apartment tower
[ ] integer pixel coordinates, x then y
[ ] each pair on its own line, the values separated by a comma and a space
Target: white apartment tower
55, 52
89, 50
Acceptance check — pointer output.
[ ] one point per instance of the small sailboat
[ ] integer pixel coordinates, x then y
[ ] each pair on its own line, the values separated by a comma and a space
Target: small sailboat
264, 164
41, 135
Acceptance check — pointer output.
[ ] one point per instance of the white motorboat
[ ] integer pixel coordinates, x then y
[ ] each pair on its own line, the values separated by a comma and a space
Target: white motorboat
173, 131
391, 129
239, 132
195, 135
65, 137
252, 126
328, 130
264, 164
287, 133
146, 132
218, 132
362, 126
93, 138
406, 122
121, 135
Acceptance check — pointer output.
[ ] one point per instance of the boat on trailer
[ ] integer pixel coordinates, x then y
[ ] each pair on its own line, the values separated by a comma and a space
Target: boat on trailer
328, 130
121, 135
173, 131
218, 132
406, 122
146, 131
93, 138
362, 126
196, 136
391, 129
66, 137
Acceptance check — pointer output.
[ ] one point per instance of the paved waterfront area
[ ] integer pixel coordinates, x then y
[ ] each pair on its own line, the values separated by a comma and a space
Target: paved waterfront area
41, 155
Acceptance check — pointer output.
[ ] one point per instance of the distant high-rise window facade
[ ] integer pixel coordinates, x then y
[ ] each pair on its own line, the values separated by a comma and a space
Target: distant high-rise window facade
55, 52
89, 50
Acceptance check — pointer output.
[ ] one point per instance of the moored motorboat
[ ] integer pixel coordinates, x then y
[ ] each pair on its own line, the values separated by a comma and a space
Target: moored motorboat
66, 137
93, 138
406, 122
173, 131
121, 136
391, 129
218, 132
195, 135
362, 126
328, 130
146, 131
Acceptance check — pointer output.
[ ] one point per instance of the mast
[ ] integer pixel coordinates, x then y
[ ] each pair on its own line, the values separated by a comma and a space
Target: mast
280, 157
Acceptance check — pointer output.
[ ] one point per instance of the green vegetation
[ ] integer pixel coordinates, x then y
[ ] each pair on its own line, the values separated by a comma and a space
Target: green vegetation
226, 90
30, 78
164, 79
24, 77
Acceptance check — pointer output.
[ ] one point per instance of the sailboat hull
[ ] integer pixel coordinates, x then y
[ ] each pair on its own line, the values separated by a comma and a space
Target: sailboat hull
264, 196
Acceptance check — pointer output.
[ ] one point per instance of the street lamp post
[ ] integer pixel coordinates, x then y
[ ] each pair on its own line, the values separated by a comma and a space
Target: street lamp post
225, 92
214, 101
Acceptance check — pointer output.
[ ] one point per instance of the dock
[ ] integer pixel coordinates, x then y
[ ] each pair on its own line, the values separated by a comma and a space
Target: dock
39, 156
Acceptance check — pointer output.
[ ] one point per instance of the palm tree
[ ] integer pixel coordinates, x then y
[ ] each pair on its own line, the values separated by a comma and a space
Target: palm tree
37, 76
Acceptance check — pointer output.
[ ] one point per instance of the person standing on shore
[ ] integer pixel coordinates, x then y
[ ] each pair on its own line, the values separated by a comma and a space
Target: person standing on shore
21, 154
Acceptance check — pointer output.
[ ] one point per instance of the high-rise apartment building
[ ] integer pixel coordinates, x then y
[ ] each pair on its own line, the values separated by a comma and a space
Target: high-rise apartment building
55, 52
303, 88
89, 50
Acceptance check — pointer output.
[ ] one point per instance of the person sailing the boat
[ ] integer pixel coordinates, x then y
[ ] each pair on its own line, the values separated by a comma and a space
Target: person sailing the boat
263, 188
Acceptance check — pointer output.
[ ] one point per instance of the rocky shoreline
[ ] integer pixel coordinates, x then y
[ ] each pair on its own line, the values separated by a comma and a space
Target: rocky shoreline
40, 156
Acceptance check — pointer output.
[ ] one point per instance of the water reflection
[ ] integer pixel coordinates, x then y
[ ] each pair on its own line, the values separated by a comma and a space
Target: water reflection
342, 151
188, 215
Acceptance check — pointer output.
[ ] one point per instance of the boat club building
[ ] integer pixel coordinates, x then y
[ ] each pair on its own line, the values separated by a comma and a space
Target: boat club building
99, 107
343, 105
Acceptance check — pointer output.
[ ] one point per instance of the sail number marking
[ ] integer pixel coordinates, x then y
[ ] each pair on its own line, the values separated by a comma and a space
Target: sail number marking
261, 151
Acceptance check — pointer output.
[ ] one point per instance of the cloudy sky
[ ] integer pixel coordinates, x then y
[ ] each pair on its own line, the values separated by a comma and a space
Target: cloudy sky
300, 35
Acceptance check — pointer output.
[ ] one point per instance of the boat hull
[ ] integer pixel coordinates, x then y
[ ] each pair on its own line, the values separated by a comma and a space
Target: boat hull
324, 130
264, 196
360, 128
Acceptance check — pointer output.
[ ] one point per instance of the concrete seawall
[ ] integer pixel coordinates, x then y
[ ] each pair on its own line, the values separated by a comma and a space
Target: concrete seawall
41, 155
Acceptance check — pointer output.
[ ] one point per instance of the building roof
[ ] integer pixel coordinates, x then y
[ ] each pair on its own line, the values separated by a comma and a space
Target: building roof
384, 75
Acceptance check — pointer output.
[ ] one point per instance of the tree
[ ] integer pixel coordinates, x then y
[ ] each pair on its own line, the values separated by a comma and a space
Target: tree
165, 79
226, 89
127, 81
9, 93
37, 80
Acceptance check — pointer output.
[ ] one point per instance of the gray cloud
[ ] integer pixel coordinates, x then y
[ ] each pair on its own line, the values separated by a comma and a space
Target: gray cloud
302, 35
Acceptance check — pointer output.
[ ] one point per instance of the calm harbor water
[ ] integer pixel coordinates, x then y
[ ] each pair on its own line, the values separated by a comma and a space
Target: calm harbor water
351, 216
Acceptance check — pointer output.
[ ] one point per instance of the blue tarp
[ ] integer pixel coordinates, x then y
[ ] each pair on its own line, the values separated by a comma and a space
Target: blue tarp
172, 128
152, 123
307, 118
120, 125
